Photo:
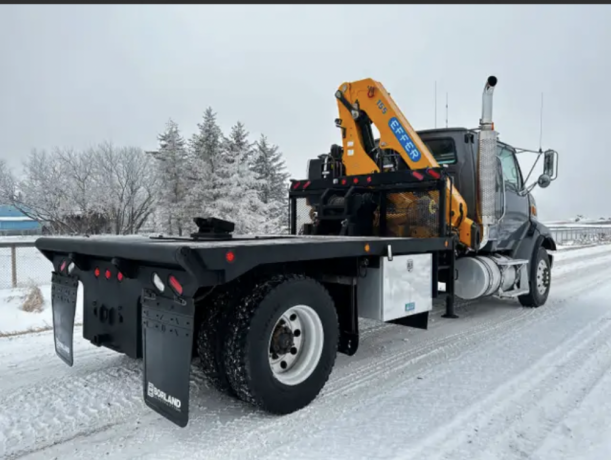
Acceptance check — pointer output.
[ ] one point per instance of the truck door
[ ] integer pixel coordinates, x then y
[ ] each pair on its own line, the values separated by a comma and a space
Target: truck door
517, 212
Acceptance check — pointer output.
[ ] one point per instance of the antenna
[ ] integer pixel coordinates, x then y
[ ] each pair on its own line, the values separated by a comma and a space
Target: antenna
446, 110
541, 125
435, 103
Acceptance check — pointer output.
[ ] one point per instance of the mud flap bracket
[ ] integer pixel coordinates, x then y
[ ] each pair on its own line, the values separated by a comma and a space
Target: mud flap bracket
64, 290
167, 336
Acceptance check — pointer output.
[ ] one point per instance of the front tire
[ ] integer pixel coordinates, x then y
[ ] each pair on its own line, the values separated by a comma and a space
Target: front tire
282, 343
540, 280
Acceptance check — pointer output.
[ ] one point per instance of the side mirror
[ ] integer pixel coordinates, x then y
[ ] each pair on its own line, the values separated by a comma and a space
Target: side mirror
550, 166
544, 181
550, 170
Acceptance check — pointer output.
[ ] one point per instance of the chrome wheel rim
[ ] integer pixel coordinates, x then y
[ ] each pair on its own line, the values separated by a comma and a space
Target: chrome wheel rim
296, 344
542, 277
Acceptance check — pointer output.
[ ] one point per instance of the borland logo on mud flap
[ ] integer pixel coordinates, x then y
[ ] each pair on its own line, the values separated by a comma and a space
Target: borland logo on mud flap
61, 347
154, 392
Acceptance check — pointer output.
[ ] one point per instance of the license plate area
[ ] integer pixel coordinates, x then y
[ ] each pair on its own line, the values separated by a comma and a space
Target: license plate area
111, 309
64, 290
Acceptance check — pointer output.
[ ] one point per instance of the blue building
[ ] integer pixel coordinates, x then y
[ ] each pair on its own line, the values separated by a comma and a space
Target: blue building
14, 222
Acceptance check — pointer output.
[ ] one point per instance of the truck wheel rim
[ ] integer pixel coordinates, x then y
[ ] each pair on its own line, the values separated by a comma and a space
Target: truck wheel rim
542, 277
296, 345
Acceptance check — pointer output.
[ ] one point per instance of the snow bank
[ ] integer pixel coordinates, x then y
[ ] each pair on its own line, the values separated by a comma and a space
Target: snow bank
13, 320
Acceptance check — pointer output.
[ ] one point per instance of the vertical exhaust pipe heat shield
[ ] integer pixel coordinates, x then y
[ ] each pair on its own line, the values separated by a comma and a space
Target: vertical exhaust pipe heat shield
487, 165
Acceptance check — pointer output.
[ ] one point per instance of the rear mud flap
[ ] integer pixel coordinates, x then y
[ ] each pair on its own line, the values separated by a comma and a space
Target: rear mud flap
167, 335
63, 304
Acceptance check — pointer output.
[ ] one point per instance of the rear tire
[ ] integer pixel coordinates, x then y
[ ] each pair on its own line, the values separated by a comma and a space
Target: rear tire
539, 280
282, 343
210, 338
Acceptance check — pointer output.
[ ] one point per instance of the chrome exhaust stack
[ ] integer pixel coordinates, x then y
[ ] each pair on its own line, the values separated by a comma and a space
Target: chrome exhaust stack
486, 120
487, 165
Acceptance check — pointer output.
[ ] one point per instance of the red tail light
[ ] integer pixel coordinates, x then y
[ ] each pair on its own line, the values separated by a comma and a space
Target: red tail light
343, 181
369, 179
63, 265
108, 274
417, 175
96, 272
433, 174
120, 276
355, 180
175, 284
306, 185
230, 257
296, 185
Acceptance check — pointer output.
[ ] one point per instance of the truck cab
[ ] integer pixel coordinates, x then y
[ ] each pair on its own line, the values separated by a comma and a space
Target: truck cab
456, 150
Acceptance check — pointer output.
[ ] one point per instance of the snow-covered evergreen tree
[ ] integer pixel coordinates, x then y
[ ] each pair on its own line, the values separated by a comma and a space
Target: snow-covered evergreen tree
236, 185
172, 168
270, 171
206, 143
204, 152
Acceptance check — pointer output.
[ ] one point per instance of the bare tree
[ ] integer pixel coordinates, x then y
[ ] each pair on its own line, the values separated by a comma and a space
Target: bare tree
103, 189
126, 186
7, 183
42, 194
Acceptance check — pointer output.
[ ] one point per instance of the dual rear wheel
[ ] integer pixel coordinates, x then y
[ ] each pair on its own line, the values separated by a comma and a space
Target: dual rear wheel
272, 343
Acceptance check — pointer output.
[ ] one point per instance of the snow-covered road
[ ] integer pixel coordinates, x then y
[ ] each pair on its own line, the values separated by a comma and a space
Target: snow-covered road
501, 382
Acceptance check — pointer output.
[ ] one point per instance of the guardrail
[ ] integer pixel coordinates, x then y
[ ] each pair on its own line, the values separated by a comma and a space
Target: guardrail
581, 235
22, 265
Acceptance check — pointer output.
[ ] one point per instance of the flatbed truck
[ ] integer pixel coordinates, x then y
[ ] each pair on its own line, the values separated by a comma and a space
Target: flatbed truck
374, 228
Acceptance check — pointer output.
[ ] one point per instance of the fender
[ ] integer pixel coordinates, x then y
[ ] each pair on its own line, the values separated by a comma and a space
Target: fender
537, 235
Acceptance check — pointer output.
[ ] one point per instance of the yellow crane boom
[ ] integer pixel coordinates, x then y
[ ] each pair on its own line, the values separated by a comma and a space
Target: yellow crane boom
364, 102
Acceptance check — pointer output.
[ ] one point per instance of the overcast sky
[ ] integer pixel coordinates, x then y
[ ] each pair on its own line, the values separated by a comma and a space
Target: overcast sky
77, 75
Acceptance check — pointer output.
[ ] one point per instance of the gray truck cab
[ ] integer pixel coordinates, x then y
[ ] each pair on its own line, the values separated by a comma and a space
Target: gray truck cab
456, 149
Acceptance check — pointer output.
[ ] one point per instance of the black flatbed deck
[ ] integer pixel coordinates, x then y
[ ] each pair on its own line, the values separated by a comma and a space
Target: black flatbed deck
247, 252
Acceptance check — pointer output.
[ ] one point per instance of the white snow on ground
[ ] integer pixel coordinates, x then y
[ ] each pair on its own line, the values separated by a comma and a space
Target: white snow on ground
501, 382
13, 319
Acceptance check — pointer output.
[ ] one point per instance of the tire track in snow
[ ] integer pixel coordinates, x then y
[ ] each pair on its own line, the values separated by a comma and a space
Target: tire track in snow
527, 396
100, 397
559, 398
583, 431
24, 367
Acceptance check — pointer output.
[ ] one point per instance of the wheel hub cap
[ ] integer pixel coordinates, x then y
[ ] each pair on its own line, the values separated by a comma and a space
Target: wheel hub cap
282, 341
296, 344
